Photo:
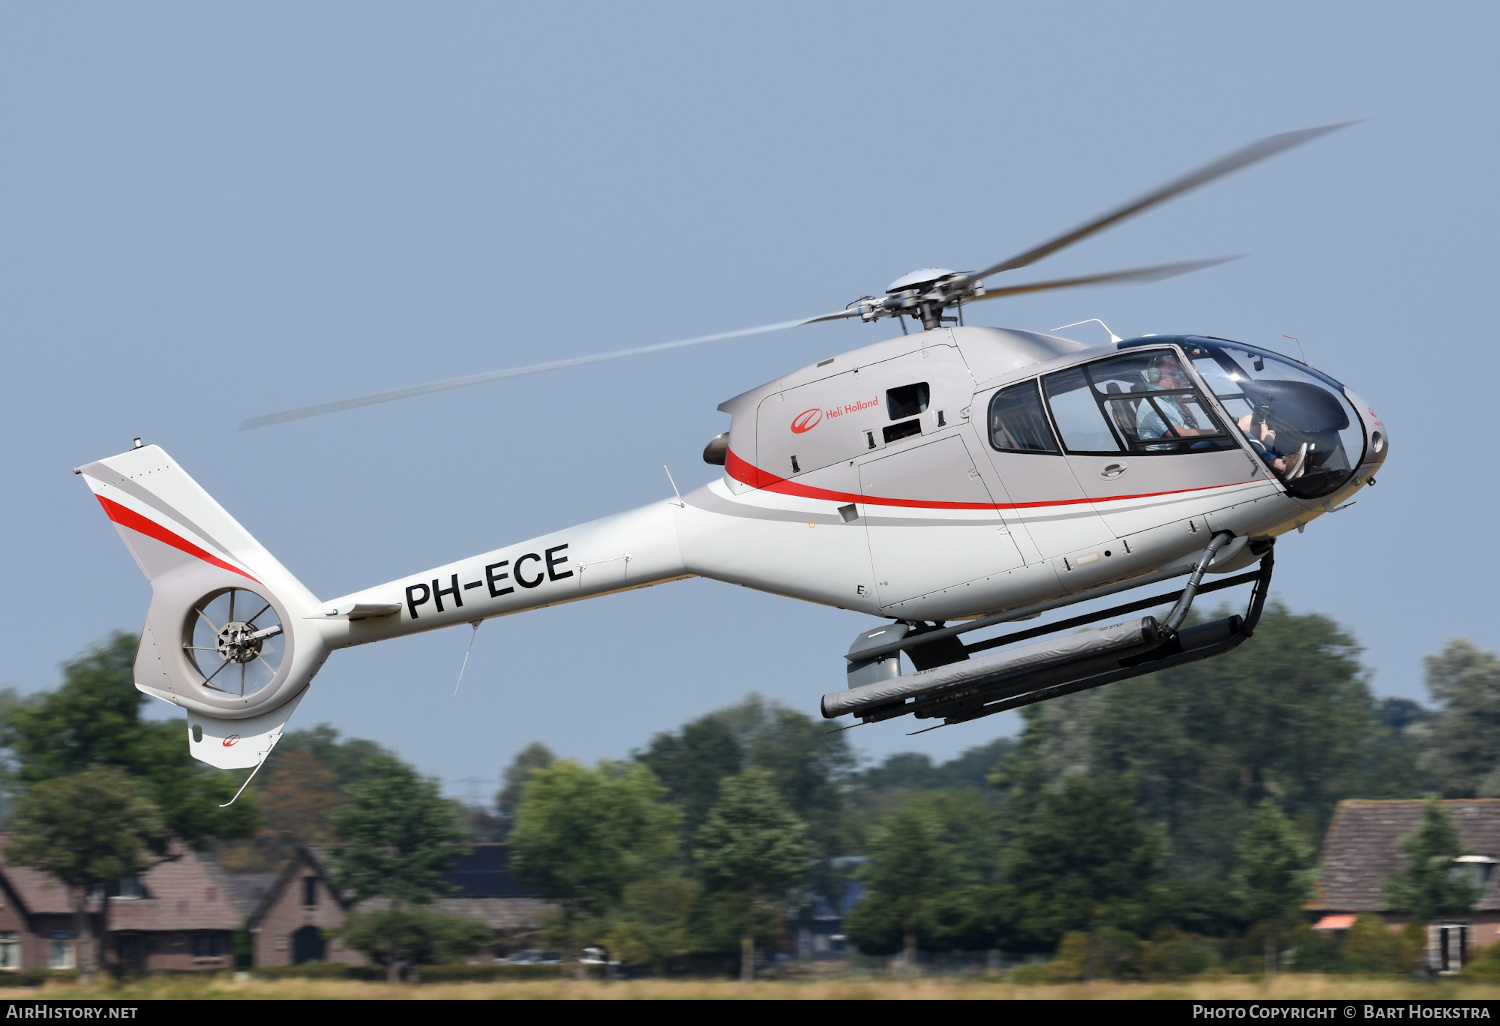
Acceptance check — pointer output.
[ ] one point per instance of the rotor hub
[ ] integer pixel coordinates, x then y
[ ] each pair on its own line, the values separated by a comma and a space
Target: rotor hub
236, 642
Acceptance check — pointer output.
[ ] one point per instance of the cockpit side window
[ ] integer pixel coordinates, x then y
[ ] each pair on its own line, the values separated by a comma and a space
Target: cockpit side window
1141, 402
1017, 421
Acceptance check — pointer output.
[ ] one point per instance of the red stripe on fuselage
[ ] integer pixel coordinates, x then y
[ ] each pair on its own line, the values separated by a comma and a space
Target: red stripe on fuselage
748, 473
126, 517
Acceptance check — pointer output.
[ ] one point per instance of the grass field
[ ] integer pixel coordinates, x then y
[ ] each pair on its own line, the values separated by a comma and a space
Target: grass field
1332, 988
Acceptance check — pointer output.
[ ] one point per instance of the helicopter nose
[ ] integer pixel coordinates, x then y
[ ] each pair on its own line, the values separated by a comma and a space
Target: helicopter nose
1377, 439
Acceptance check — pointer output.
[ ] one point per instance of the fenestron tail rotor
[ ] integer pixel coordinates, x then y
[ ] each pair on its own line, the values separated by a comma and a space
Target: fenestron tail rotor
234, 640
924, 296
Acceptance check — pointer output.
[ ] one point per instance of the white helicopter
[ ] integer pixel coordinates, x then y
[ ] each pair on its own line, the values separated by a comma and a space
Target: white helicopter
949, 480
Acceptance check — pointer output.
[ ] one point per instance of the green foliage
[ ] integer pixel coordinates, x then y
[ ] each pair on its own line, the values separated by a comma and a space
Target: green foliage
1274, 874
421, 936
585, 835
751, 843
753, 847
1485, 965
1108, 953
809, 764
1086, 856
877, 925
535, 756
398, 836
1428, 887
931, 878
1461, 744
1287, 715
87, 829
94, 718
1172, 954
656, 925
690, 764
915, 771
1373, 948
350, 760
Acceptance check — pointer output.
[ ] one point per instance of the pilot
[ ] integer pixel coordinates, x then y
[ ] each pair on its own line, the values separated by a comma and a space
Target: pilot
1262, 435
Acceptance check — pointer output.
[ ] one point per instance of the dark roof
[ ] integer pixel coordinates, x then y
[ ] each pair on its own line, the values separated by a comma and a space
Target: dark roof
485, 873
1363, 849
251, 888
188, 893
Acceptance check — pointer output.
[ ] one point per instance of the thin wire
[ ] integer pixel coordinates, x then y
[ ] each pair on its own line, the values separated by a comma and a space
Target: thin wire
475, 624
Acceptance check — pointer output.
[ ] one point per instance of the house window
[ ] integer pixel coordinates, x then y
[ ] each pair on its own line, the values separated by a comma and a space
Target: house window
309, 890
60, 951
10, 950
207, 945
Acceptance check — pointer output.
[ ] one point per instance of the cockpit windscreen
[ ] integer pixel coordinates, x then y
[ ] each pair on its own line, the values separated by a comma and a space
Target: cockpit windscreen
1297, 421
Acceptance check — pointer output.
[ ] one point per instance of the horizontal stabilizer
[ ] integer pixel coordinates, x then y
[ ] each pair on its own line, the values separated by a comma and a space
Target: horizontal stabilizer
360, 611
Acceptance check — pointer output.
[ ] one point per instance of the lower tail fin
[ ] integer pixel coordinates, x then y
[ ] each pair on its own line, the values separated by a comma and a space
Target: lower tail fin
227, 635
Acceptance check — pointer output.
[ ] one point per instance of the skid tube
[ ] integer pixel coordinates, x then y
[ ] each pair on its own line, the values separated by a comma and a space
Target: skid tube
988, 696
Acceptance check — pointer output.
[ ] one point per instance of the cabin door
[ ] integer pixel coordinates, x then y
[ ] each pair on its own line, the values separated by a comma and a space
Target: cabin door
931, 522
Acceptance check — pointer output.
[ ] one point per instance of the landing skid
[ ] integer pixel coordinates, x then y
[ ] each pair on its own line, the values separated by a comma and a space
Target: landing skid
953, 685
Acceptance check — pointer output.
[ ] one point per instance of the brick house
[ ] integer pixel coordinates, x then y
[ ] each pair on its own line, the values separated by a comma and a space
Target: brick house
1362, 850
287, 925
177, 915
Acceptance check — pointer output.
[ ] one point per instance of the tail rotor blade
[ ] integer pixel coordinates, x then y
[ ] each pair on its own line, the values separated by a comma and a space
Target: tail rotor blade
515, 372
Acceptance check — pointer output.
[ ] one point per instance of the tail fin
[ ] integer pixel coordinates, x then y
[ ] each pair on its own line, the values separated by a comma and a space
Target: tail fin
227, 635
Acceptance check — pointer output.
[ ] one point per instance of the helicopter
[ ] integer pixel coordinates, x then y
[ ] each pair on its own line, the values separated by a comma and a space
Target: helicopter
947, 480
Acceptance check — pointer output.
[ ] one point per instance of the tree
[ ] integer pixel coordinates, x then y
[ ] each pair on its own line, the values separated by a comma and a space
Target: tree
535, 756
1428, 886
657, 923
1274, 875
1461, 744
94, 718
350, 760
753, 846
1085, 858
420, 936
809, 764
1288, 715
912, 860
398, 836
691, 763
584, 835
89, 831
295, 806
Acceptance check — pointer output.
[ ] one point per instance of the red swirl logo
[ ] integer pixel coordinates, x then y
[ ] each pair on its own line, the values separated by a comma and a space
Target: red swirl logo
806, 420
231, 740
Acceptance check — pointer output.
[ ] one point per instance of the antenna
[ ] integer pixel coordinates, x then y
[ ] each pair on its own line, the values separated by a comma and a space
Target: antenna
680, 503
474, 624
1092, 320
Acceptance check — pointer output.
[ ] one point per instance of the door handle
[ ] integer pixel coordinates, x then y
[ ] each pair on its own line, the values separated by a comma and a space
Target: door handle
1113, 471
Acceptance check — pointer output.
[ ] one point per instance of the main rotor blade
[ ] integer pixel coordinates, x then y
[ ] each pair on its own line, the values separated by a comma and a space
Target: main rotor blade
537, 368
1256, 151
1139, 274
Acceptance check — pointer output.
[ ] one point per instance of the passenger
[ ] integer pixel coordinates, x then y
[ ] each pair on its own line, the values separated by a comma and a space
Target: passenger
1167, 373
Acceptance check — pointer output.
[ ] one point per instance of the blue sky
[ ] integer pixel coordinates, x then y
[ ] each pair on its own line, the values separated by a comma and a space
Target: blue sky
211, 211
